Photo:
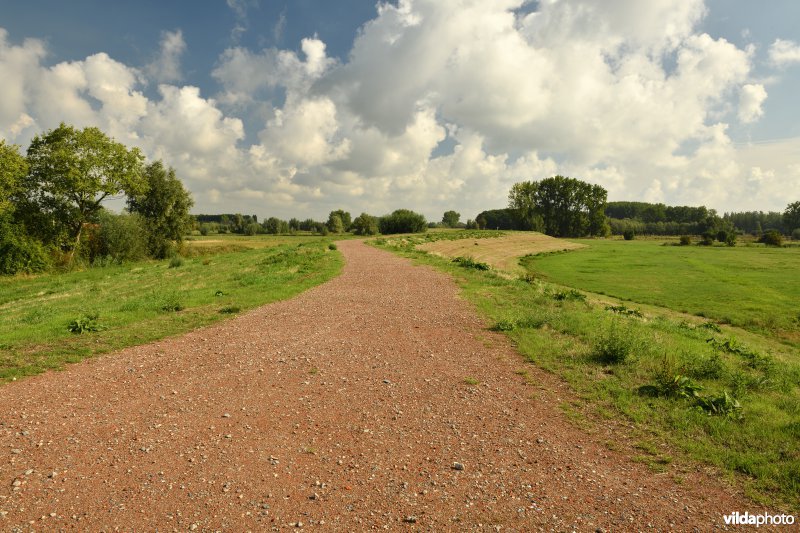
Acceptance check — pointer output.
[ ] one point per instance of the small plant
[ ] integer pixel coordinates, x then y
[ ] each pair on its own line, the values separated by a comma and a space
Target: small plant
528, 277
707, 367
678, 387
772, 238
176, 261
230, 310
170, 303
505, 325
571, 294
332, 246
85, 324
468, 262
471, 381
624, 311
628, 235
730, 240
710, 326
685, 240
721, 405
615, 347
219, 293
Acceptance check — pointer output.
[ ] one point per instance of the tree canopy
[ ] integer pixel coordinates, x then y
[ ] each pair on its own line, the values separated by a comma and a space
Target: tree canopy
791, 217
13, 168
403, 221
451, 219
561, 206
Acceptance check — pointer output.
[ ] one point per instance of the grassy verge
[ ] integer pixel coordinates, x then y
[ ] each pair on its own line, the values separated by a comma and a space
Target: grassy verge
687, 389
53, 319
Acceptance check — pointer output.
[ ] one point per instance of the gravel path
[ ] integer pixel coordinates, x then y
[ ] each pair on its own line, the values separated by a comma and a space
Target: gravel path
345, 408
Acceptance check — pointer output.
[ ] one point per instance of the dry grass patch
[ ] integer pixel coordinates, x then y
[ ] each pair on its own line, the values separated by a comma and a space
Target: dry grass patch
502, 253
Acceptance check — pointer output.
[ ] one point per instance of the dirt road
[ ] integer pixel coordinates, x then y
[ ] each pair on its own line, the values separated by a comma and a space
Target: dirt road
349, 407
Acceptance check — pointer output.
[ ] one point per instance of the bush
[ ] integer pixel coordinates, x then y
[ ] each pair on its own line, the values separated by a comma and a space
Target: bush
686, 240
722, 235
20, 254
468, 262
85, 324
772, 238
176, 261
707, 239
332, 246
365, 224
730, 239
796, 234
121, 238
402, 221
615, 347
628, 235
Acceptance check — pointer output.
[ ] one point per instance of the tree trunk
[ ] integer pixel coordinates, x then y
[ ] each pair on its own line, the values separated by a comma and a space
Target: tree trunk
77, 243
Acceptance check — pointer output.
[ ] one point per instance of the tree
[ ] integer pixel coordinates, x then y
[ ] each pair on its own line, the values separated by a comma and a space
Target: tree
335, 223
272, 225
13, 169
791, 217
365, 224
344, 216
71, 173
561, 206
165, 206
451, 219
402, 221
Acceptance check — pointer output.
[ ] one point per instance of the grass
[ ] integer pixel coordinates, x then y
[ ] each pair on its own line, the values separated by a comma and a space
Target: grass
755, 288
53, 319
733, 403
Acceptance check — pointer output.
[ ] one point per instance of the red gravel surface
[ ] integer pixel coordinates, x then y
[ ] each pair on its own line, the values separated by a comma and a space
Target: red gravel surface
346, 408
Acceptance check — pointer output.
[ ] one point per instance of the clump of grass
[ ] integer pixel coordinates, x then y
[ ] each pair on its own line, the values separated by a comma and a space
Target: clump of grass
754, 359
170, 303
569, 295
230, 310
468, 262
85, 324
176, 261
332, 246
471, 381
616, 346
624, 311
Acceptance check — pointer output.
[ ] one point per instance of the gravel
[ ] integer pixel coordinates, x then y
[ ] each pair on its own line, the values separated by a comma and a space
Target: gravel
352, 392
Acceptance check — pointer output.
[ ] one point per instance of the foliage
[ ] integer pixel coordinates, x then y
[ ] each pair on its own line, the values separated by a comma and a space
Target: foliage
344, 218
471, 224
569, 295
451, 219
164, 205
365, 224
71, 173
561, 207
332, 246
468, 262
723, 404
230, 309
685, 240
624, 311
616, 346
791, 217
13, 168
19, 253
85, 323
121, 238
402, 221
796, 234
335, 223
628, 234
176, 261
502, 219
772, 238
707, 239
754, 222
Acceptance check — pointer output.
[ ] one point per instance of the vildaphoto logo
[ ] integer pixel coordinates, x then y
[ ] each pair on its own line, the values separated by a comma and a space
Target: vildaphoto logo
763, 519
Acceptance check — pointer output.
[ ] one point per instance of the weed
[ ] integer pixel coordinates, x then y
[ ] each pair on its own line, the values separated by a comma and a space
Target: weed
707, 367
468, 262
176, 261
170, 303
570, 294
624, 311
722, 405
615, 347
471, 381
85, 324
230, 309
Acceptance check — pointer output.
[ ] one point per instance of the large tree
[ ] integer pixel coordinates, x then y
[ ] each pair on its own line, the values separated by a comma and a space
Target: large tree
13, 169
71, 172
365, 224
791, 217
344, 217
164, 205
451, 218
561, 206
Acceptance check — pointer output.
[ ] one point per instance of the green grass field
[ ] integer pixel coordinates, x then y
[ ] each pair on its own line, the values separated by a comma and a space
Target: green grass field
733, 403
140, 302
756, 288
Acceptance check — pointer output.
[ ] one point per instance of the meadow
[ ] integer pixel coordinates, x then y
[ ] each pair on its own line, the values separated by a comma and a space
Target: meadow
52, 319
752, 287
682, 389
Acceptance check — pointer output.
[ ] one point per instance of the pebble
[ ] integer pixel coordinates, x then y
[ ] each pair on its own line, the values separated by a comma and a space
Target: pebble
458, 466
410, 519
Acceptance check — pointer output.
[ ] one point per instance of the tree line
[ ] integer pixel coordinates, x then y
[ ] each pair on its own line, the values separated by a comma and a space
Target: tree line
51, 202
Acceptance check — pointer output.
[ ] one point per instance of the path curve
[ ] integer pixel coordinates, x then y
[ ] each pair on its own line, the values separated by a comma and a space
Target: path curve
344, 408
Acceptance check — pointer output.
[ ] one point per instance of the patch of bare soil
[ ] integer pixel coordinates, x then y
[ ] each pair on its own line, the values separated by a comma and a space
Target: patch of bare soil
502, 253
346, 408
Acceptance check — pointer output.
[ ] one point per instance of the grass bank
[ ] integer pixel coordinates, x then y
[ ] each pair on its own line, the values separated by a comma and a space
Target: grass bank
689, 389
53, 319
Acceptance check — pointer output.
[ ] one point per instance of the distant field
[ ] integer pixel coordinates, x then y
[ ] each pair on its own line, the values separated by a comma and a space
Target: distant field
140, 302
502, 253
755, 288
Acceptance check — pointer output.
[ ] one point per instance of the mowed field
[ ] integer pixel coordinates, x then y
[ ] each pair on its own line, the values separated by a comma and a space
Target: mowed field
124, 305
502, 253
752, 287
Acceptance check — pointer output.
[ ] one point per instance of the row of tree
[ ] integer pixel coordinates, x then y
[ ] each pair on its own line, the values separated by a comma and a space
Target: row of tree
51, 201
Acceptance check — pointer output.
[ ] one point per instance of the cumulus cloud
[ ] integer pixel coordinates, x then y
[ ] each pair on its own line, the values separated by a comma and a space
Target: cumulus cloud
166, 67
783, 53
440, 104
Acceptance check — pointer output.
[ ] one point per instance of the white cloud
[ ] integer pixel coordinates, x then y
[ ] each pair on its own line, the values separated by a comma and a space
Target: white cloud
167, 66
783, 53
751, 97
440, 104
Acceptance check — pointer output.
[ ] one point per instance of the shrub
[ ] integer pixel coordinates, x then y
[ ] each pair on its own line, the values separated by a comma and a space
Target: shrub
468, 262
176, 261
402, 221
85, 324
615, 347
686, 240
772, 238
730, 240
121, 237
365, 224
332, 246
170, 303
707, 239
722, 235
571, 294
230, 309
722, 405
628, 235
20, 253
796, 234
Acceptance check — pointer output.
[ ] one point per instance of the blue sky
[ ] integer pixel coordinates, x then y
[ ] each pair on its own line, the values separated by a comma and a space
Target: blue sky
297, 108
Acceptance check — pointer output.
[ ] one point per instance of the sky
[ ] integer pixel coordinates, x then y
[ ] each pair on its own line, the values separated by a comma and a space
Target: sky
295, 108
